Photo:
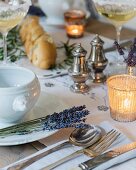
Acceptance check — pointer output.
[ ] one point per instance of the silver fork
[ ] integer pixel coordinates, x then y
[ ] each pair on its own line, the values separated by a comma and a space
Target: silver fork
92, 151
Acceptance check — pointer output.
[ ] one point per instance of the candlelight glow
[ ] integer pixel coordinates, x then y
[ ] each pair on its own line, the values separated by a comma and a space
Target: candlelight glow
127, 103
75, 30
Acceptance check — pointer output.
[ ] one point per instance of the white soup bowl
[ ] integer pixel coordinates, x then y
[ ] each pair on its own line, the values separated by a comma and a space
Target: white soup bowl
19, 91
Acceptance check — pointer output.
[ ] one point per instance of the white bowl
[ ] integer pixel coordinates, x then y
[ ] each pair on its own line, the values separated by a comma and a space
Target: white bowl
19, 91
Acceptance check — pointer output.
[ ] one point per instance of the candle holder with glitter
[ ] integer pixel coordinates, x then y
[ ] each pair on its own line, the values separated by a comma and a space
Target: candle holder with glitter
75, 23
122, 97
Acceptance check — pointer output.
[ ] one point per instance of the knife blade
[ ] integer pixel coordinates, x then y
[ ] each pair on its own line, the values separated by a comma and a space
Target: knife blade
53, 75
93, 163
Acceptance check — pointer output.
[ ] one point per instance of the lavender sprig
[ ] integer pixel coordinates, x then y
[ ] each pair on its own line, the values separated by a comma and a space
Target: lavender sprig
73, 117
119, 48
130, 60
66, 119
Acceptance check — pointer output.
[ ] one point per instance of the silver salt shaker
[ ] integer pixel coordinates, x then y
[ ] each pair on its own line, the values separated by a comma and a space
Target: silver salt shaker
97, 61
79, 71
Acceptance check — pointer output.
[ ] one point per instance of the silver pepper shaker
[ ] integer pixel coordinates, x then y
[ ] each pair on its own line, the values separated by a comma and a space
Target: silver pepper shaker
79, 71
97, 61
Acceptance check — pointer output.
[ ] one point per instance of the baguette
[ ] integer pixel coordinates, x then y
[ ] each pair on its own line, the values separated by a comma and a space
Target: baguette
25, 26
39, 45
42, 58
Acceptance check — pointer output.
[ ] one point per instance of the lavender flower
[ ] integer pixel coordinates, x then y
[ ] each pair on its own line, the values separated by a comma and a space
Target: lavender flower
68, 118
119, 48
73, 117
130, 60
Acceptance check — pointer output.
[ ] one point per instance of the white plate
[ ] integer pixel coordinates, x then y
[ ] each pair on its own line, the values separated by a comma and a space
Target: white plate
47, 104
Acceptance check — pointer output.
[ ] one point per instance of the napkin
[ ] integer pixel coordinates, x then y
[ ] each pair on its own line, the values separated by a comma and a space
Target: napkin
65, 152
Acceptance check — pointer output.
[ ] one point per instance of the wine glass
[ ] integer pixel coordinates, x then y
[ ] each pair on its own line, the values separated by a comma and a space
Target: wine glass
11, 13
118, 12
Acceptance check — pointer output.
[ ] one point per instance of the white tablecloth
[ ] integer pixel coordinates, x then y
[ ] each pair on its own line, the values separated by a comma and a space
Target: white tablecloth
97, 96
96, 100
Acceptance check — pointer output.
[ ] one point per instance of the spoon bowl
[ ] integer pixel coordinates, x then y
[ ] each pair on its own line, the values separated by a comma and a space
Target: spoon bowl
85, 137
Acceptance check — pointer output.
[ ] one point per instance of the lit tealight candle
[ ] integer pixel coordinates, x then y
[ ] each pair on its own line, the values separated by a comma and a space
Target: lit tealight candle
75, 21
75, 30
122, 97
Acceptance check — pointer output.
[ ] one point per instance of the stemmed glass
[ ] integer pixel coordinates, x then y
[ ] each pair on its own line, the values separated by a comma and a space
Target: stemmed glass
118, 12
11, 13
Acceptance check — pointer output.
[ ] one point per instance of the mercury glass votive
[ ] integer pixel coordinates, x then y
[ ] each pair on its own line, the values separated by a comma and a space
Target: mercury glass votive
75, 23
122, 97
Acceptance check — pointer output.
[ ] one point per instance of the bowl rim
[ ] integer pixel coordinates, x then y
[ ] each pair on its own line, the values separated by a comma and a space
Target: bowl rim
16, 89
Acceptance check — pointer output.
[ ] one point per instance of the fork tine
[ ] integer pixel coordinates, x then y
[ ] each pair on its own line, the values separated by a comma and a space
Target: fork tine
106, 140
105, 146
102, 140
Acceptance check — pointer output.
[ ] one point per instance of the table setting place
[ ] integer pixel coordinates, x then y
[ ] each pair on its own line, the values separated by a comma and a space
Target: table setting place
67, 95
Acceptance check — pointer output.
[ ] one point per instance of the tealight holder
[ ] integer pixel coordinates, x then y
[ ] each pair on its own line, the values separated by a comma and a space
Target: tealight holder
75, 23
122, 97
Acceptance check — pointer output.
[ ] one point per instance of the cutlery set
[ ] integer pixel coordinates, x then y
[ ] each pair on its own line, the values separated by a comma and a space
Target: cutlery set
91, 151
94, 150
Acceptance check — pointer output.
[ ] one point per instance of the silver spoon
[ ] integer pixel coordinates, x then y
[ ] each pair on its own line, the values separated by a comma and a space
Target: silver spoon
85, 137
79, 137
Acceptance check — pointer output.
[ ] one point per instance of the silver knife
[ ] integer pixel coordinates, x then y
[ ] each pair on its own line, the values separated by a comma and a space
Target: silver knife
53, 75
93, 163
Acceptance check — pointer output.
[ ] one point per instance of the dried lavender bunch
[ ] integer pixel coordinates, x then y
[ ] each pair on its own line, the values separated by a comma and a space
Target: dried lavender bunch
73, 117
67, 118
130, 60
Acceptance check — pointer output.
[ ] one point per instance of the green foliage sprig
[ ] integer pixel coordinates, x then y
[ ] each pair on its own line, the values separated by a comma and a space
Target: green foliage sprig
68, 52
14, 46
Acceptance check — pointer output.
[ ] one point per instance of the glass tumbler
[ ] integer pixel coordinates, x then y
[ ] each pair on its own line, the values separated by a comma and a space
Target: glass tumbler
122, 97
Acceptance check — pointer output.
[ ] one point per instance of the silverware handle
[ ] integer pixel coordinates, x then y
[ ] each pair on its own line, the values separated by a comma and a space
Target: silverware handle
94, 162
65, 159
31, 160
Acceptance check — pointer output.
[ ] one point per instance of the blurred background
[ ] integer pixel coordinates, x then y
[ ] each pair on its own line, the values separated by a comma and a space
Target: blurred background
86, 5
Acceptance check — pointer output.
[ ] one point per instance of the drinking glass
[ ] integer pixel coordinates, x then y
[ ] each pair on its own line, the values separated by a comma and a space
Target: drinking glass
11, 13
118, 12
122, 94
